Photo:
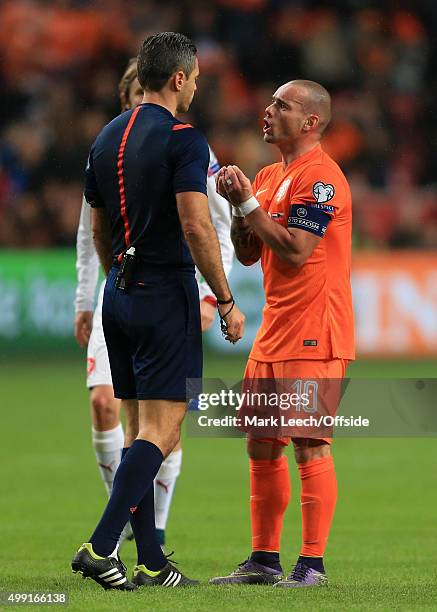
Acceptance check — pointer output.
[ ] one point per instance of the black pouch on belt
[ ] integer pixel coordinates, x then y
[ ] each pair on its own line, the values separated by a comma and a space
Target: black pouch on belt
126, 270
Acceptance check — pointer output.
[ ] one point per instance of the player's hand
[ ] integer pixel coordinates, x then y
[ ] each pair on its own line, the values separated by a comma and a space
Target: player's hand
207, 315
83, 324
220, 183
237, 186
233, 320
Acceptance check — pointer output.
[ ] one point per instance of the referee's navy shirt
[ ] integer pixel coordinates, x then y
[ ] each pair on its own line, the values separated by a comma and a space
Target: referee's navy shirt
137, 165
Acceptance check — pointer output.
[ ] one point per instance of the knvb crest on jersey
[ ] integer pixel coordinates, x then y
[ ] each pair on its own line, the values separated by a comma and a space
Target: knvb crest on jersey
283, 189
323, 193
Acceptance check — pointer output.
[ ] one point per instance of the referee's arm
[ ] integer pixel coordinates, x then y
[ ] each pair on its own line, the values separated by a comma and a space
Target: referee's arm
99, 219
189, 153
202, 240
203, 243
102, 237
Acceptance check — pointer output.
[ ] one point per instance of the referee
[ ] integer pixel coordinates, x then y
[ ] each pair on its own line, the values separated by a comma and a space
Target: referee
146, 183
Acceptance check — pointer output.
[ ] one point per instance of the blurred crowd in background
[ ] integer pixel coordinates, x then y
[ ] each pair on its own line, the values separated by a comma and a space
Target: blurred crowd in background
62, 59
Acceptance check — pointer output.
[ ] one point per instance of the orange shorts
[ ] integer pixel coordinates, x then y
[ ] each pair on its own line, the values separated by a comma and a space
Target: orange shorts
300, 369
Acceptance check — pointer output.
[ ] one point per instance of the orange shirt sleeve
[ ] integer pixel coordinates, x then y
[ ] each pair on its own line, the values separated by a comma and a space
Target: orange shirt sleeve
319, 186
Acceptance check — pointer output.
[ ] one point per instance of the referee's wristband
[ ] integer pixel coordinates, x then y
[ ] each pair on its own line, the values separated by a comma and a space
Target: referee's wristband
223, 302
245, 208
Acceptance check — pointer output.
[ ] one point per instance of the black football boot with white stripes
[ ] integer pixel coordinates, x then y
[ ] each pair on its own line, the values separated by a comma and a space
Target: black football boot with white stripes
169, 576
109, 572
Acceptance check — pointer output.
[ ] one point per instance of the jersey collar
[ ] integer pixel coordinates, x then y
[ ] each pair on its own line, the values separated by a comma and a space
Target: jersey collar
158, 107
303, 159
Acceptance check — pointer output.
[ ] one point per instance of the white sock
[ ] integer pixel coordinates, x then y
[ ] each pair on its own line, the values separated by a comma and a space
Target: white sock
107, 446
164, 486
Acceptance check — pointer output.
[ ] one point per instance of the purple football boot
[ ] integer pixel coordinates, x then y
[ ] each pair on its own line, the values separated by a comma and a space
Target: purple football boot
250, 572
303, 576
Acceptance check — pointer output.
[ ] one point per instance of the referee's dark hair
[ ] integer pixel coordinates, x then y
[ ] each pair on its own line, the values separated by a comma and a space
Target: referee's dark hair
161, 55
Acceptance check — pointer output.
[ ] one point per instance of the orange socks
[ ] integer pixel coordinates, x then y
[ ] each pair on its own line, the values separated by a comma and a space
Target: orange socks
318, 498
270, 494
269, 497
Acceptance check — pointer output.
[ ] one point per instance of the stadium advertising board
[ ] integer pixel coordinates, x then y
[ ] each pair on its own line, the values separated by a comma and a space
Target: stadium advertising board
395, 297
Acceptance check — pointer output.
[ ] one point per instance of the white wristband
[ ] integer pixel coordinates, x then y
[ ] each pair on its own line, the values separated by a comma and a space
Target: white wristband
248, 206
236, 212
245, 208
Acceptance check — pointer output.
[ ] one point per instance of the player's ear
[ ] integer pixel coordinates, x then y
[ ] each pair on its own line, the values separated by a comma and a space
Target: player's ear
178, 80
311, 123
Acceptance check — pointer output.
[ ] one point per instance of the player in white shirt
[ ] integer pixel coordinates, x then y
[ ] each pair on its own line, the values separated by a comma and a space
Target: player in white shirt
107, 431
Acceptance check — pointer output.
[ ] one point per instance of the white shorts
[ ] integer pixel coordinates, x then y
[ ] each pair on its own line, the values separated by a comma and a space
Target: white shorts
98, 370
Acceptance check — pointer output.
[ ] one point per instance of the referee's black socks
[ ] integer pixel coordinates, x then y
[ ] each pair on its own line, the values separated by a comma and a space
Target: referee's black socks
132, 483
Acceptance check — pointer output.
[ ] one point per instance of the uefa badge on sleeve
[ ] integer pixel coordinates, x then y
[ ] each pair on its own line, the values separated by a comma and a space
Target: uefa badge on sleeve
323, 193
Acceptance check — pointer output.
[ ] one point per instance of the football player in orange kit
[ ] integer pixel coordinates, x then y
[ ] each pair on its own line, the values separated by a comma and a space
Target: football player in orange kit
296, 218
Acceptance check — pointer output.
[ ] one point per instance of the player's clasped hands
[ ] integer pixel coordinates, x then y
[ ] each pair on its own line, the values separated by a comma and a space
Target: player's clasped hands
232, 322
233, 185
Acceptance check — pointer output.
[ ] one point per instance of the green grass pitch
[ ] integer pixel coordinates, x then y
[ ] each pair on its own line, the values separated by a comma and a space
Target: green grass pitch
382, 550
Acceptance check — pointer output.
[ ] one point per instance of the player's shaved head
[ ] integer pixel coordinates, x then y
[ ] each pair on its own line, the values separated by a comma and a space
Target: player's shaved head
314, 98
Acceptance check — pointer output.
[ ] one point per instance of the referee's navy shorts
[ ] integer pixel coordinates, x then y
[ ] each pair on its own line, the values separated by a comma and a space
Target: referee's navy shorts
153, 333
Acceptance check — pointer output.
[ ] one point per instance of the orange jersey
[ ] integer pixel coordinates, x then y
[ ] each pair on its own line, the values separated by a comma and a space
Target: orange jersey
308, 312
